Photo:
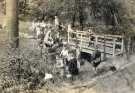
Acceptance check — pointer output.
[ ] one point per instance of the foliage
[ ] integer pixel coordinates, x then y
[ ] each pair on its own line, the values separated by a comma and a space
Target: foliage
24, 68
115, 13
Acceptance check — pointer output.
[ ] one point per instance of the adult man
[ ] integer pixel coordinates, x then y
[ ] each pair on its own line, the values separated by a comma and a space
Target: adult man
72, 65
96, 58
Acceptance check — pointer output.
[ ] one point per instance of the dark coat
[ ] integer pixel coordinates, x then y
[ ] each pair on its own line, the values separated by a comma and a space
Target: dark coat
85, 56
72, 65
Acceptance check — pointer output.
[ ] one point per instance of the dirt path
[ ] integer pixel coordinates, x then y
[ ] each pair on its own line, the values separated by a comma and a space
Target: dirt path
120, 82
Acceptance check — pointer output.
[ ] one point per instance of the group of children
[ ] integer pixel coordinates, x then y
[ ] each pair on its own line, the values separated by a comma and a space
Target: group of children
67, 62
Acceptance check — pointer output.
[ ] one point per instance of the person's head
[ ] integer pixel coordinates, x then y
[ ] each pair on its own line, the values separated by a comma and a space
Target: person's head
56, 17
69, 26
72, 54
96, 47
64, 43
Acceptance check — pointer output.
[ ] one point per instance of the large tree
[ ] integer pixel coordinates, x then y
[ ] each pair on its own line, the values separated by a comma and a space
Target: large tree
12, 22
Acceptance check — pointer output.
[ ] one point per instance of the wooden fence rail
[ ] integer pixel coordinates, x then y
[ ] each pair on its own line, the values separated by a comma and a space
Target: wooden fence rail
113, 44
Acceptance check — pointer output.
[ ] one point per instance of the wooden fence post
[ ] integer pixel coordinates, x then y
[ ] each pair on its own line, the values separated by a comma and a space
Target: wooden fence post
68, 36
122, 46
104, 56
114, 44
96, 40
81, 41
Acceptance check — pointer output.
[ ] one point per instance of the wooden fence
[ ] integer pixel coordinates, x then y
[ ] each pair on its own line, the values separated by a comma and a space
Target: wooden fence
109, 44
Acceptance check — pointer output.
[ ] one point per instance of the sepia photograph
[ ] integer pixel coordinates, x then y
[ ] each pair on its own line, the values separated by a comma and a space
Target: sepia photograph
67, 46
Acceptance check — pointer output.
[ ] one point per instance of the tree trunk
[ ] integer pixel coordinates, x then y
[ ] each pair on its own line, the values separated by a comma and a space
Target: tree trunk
73, 20
12, 22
